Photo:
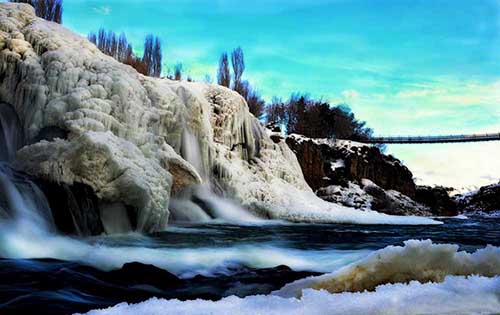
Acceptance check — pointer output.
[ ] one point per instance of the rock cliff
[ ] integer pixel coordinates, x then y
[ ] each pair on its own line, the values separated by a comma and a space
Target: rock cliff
338, 162
360, 176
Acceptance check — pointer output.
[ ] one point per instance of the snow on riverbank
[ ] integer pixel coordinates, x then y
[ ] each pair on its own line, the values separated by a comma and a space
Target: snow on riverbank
456, 295
418, 278
416, 260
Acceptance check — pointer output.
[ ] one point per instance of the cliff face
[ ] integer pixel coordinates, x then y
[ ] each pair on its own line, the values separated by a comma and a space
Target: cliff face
360, 176
327, 163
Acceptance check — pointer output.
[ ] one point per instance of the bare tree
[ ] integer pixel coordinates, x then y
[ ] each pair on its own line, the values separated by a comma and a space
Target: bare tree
157, 58
238, 62
50, 10
275, 112
178, 71
223, 75
256, 104
101, 40
92, 37
147, 58
122, 47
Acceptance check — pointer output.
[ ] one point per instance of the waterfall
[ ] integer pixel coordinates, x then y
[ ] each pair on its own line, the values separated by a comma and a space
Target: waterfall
190, 151
199, 203
22, 204
10, 133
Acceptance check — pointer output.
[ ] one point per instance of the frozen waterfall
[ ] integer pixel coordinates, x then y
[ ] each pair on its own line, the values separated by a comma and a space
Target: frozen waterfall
199, 203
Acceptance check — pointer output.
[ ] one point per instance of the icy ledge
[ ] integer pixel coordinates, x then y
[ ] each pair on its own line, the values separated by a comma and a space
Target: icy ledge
417, 260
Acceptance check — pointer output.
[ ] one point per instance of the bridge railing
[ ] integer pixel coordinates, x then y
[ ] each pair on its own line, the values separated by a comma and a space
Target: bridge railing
433, 139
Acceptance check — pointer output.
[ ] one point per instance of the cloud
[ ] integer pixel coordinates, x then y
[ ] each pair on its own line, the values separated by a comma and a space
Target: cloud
459, 165
104, 10
350, 94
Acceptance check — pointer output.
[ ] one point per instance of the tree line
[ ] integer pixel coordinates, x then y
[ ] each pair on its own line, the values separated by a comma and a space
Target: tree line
299, 114
312, 118
234, 80
50, 10
118, 47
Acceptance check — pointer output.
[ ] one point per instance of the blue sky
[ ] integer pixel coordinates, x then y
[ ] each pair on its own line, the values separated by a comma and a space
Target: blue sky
405, 66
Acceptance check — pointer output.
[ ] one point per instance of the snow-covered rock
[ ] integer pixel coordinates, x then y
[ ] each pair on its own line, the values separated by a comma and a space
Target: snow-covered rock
369, 196
328, 162
88, 119
357, 175
485, 201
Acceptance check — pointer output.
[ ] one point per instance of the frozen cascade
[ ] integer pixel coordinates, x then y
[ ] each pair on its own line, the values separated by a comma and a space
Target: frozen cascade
190, 151
10, 133
199, 203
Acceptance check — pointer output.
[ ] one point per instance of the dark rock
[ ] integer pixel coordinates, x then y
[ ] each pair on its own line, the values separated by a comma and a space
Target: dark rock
136, 273
48, 286
75, 208
51, 133
486, 199
437, 199
320, 159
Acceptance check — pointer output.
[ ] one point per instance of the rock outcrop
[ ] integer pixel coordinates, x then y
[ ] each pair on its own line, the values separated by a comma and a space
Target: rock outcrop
437, 199
337, 162
485, 200
357, 175
368, 195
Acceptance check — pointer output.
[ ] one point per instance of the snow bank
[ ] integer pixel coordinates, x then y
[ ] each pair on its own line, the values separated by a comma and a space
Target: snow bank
456, 295
304, 206
416, 260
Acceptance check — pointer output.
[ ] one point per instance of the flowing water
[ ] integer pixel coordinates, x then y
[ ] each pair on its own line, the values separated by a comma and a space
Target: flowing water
228, 252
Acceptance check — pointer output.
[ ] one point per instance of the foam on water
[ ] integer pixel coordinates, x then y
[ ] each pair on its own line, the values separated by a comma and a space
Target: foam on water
456, 295
184, 262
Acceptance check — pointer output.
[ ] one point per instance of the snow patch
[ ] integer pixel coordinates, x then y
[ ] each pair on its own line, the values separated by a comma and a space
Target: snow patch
456, 295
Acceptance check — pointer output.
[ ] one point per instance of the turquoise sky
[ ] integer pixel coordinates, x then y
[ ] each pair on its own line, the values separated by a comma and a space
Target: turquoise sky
405, 66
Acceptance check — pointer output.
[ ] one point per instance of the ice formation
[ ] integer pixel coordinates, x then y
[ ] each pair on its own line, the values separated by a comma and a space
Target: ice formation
416, 260
89, 119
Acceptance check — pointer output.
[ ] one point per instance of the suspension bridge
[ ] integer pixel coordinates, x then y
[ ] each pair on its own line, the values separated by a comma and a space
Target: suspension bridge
432, 139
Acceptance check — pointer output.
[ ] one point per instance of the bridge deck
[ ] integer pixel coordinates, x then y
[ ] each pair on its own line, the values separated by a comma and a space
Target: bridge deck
434, 139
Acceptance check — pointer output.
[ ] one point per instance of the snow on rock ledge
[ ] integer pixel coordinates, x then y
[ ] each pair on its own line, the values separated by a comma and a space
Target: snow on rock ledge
89, 119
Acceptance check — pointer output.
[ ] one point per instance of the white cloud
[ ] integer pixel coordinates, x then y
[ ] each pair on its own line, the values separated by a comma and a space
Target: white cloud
463, 166
104, 10
350, 94
454, 93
